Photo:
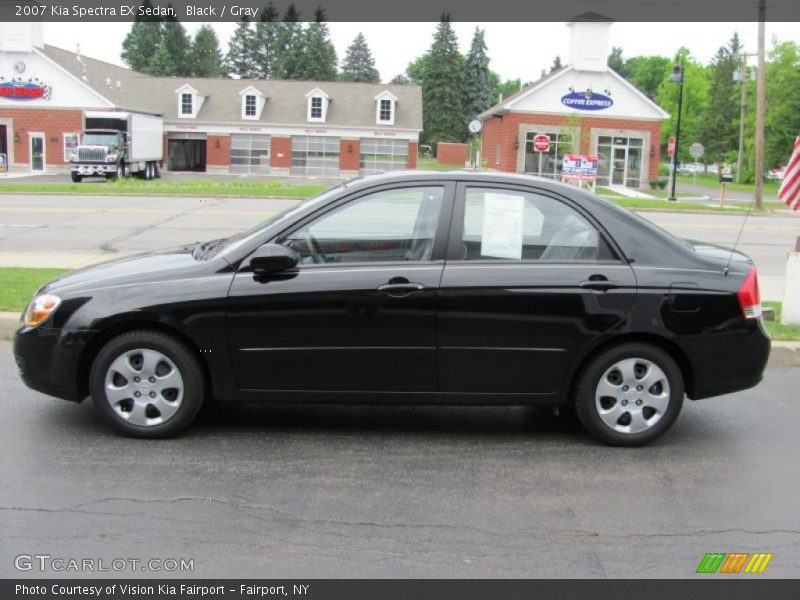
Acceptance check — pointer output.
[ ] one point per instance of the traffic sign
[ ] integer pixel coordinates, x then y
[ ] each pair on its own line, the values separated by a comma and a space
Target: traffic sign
541, 143
671, 146
697, 150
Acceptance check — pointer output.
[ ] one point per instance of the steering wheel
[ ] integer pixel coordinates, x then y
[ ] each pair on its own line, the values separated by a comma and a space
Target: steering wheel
314, 249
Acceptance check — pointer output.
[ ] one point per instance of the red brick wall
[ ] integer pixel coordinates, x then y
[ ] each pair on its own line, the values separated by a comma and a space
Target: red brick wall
412, 155
448, 153
53, 123
349, 161
505, 131
218, 150
280, 145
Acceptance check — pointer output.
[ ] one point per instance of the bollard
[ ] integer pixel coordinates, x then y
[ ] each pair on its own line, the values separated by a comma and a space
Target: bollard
790, 314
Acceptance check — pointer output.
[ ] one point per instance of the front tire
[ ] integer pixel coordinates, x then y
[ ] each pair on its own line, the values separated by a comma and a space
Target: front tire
629, 395
76, 177
147, 384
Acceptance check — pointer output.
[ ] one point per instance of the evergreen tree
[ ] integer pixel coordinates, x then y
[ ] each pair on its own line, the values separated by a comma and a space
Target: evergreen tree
616, 62
142, 41
719, 131
400, 80
556, 64
359, 64
240, 60
265, 43
478, 82
289, 41
319, 59
206, 58
172, 57
442, 82
415, 69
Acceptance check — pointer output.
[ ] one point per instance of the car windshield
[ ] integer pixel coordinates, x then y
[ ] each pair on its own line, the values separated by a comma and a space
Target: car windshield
99, 139
237, 240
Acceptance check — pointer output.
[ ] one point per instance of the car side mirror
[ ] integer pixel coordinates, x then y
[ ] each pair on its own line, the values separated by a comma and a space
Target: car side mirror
273, 258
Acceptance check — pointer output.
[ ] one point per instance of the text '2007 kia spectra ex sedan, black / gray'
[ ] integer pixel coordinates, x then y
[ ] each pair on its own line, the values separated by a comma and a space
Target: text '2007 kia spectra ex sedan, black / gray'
451, 288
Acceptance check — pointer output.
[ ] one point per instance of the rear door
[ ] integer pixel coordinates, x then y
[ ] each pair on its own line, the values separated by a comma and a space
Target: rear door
530, 280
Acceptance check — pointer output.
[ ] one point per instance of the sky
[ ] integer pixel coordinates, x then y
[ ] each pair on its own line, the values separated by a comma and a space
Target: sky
516, 50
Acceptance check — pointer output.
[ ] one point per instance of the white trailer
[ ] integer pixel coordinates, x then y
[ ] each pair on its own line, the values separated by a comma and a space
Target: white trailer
118, 144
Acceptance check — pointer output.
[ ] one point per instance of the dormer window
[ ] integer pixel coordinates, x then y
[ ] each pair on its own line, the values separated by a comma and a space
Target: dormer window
317, 109
252, 103
186, 104
249, 105
189, 102
385, 104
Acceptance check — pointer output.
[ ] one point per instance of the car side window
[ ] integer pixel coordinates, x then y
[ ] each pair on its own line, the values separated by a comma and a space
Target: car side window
390, 225
515, 225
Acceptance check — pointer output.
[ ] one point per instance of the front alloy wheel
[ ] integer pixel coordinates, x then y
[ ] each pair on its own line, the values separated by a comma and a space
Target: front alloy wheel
630, 395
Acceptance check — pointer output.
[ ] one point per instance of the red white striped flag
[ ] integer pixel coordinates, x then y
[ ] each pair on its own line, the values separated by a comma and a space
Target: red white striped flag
790, 188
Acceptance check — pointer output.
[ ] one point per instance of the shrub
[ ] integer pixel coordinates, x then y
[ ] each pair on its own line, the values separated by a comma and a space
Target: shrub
662, 183
653, 183
663, 169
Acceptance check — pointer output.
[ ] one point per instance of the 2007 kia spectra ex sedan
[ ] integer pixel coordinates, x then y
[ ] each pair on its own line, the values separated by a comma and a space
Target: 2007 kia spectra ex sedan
452, 288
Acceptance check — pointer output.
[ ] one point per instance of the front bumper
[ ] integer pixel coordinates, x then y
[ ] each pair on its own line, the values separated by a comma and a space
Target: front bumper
48, 360
87, 170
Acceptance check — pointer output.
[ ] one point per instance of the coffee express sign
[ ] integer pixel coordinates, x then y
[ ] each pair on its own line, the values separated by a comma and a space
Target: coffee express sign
587, 100
24, 90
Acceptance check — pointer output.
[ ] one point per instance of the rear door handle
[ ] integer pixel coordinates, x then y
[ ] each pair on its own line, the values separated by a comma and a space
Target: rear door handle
600, 285
400, 289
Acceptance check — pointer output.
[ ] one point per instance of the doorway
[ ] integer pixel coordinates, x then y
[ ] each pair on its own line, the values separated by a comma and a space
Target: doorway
38, 162
4, 140
619, 166
186, 154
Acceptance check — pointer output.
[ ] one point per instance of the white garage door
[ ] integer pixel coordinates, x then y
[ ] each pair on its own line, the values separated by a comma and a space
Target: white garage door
249, 154
378, 155
315, 156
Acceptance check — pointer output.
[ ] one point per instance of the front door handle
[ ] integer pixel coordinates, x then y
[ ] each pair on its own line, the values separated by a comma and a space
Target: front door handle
599, 283
400, 289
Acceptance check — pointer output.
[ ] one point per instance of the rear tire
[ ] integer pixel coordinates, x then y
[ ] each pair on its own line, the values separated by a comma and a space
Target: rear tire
76, 177
147, 384
629, 395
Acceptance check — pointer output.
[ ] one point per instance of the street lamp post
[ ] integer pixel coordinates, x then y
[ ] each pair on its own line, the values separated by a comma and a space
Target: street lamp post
677, 77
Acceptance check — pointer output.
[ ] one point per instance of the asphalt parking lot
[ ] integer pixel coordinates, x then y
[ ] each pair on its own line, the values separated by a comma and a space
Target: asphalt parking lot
293, 491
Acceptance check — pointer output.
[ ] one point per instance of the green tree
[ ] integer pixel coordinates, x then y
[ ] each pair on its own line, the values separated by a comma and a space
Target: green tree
695, 103
478, 81
290, 43
416, 69
442, 82
319, 58
206, 59
142, 41
507, 88
240, 60
647, 73
400, 80
719, 130
172, 59
358, 63
616, 62
265, 44
782, 119
556, 64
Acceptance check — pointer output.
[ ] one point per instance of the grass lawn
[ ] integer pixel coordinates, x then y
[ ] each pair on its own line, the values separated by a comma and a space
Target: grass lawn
430, 164
777, 331
770, 187
18, 285
644, 203
172, 187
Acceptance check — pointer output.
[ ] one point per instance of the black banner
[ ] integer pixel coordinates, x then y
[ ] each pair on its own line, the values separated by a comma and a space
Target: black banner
407, 10
483, 589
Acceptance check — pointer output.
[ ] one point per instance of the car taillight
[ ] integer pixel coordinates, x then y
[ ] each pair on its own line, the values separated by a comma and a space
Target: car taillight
749, 298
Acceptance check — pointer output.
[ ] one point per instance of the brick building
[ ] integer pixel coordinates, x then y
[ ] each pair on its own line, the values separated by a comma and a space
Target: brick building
584, 108
308, 128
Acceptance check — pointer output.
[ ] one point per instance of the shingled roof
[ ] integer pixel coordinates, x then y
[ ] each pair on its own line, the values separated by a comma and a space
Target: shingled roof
351, 104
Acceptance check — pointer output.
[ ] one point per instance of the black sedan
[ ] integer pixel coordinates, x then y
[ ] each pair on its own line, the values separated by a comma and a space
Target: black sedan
425, 288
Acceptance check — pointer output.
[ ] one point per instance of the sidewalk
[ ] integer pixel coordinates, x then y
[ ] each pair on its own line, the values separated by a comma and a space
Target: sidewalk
57, 260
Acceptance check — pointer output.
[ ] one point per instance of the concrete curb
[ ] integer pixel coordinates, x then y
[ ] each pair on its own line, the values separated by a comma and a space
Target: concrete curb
784, 354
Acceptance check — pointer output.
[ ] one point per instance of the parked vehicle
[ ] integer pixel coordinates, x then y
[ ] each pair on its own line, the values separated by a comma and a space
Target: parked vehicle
117, 144
452, 288
776, 174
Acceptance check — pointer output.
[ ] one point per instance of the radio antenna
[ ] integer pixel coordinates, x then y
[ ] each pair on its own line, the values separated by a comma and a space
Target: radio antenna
738, 237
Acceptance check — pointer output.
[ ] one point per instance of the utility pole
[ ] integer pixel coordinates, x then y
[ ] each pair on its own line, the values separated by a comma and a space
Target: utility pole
760, 108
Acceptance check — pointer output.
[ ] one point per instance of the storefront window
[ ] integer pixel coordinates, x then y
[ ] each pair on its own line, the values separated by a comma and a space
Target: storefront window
549, 163
619, 161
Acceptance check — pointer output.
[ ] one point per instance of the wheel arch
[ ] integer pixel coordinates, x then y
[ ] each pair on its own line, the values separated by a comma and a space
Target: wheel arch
668, 346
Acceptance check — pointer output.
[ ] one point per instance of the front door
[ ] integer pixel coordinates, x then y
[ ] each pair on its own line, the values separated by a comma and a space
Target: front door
619, 165
37, 152
358, 314
529, 282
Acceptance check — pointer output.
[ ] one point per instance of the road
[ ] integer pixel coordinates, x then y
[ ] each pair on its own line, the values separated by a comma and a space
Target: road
291, 491
69, 231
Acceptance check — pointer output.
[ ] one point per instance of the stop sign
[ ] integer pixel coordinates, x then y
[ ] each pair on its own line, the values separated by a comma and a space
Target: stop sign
671, 146
541, 143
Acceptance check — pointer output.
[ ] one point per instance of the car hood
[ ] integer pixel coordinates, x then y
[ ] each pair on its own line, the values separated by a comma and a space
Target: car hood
171, 264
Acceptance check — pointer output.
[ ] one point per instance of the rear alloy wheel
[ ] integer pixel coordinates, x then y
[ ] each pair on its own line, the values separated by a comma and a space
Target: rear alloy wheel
147, 384
630, 395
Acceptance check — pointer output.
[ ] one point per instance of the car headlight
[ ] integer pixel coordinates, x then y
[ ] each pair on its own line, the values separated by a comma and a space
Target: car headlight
73, 157
112, 157
40, 308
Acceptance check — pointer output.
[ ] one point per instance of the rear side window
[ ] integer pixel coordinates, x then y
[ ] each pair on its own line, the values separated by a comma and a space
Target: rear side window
512, 225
